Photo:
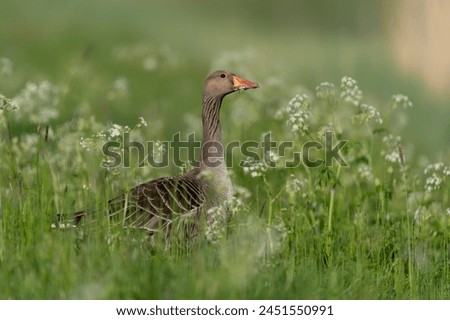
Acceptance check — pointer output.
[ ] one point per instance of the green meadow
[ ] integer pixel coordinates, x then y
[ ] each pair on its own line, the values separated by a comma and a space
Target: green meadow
77, 74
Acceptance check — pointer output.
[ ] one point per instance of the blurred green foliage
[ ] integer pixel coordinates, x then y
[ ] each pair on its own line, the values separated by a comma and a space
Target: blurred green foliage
302, 42
118, 60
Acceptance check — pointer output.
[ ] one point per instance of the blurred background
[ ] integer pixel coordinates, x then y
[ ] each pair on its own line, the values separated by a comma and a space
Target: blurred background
119, 60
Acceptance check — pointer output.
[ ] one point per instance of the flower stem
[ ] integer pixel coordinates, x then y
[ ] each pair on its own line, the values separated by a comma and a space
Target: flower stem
269, 199
331, 205
330, 209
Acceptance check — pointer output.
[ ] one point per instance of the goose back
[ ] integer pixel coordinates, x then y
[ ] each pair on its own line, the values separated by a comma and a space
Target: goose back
154, 205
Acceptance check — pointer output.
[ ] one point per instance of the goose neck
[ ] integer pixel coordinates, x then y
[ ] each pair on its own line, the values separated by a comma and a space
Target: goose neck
212, 148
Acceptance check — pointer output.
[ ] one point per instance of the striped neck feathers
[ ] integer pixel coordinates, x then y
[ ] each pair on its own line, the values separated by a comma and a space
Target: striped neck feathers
212, 148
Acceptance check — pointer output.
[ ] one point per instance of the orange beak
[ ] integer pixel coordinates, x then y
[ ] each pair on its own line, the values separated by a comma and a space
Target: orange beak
242, 84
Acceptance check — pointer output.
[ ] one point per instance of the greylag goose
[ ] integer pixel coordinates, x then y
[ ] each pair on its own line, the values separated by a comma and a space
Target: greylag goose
153, 205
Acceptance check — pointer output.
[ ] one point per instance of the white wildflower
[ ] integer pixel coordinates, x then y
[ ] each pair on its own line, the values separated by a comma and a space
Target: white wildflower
158, 151
324, 129
350, 91
241, 192
297, 114
365, 173
446, 171
100, 134
117, 130
439, 166
142, 122
400, 100
296, 186
325, 90
271, 158
448, 211
433, 183
392, 157
6, 104
215, 227
348, 83
98, 139
114, 131
86, 143
282, 230
234, 205
391, 140
254, 168
437, 175
38, 102
367, 113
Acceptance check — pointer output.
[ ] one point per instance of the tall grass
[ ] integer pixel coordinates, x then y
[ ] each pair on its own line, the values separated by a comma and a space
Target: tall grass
376, 228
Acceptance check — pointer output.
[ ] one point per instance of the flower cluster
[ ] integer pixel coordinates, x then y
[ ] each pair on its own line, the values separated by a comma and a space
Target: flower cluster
215, 227
112, 133
6, 104
38, 102
296, 186
234, 205
437, 174
391, 142
400, 101
282, 230
142, 122
325, 90
241, 193
433, 183
271, 159
365, 173
367, 113
437, 167
158, 151
327, 128
116, 133
297, 113
254, 168
350, 91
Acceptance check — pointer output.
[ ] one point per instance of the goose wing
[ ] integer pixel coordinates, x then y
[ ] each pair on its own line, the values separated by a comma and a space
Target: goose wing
153, 205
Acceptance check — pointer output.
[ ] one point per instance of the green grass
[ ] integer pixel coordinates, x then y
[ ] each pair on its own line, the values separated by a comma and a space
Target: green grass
368, 231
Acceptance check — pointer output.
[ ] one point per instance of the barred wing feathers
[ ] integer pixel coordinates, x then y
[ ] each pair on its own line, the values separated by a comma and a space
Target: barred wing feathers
153, 205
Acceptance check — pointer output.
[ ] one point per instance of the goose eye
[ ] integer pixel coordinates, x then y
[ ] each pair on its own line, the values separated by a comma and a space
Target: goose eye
223, 75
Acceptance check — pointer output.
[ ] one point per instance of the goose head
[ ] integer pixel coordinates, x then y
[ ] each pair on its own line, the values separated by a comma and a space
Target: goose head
221, 82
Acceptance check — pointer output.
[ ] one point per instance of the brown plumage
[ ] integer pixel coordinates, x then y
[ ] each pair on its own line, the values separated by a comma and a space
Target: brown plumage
154, 205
